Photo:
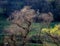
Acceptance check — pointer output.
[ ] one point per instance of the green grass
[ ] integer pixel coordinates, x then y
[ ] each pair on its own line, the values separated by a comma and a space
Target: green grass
33, 44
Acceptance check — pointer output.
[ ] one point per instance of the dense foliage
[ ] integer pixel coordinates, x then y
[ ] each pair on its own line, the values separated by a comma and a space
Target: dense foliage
8, 6
53, 31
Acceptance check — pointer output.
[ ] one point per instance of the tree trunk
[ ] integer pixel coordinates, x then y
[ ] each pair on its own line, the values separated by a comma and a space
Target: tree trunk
25, 38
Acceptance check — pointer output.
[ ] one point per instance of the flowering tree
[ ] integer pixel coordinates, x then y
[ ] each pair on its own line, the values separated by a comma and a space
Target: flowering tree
21, 21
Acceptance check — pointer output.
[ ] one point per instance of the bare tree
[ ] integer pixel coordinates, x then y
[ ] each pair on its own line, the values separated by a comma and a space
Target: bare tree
21, 22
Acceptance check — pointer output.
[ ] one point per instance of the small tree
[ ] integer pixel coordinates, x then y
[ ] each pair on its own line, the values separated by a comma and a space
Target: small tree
47, 18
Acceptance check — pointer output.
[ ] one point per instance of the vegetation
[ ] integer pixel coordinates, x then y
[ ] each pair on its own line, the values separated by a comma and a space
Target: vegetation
29, 23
